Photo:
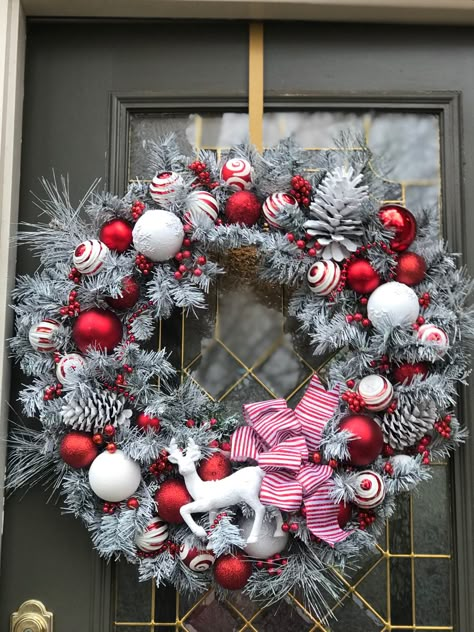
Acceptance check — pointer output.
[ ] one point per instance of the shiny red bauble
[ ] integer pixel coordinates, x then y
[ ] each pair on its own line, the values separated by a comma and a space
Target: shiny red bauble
130, 295
243, 207
78, 449
411, 268
361, 277
232, 571
214, 468
405, 373
344, 514
145, 421
403, 224
367, 443
171, 496
117, 235
98, 328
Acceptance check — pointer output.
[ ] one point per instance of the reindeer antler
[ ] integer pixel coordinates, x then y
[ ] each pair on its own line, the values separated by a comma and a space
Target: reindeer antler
173, 448
193, 451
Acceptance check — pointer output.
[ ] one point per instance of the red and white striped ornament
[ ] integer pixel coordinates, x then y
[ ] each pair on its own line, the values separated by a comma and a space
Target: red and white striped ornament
237, 173
369, 489
376, 391
67, 365
41, 335
164, 185
201, 204
153, 537
89, 256
198, 560
324, 277
434, 335
274, 204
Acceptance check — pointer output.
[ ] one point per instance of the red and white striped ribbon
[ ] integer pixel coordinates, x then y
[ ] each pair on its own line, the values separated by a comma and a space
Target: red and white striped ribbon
315, 409
321, 515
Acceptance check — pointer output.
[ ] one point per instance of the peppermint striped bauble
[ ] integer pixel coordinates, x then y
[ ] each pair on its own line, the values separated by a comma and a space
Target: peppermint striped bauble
237, 173
324, 277
435, 336
153, 537
67, 365
198, 560
201, 204
41, 335
369, 489
376, 391
164, 185
274, 204
89, 256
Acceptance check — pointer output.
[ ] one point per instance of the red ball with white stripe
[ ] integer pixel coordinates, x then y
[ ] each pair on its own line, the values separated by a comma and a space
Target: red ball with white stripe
67, 365
153, 537
376, 391
324, 277
201, 204
369, 489
237, 173
89, 256
435, 336
164, 185
198, 560
275, 204
41, 335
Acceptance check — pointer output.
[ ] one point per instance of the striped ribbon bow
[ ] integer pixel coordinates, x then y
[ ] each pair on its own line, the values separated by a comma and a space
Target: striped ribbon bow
279, 439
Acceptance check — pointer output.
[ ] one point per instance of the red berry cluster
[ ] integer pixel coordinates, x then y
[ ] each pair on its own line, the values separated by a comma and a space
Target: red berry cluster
99, 438
224, 446
217, 520
50, 392
73, 307
307, 242
393, 407
144, 264
443, 426
110, 508
316, 457
75, 275
273, 565
383, 365
388, 468
301, 190
202, 174
161, 465
424, 299
361, 251
133, 503
290, 526
137, 209
358, 318
187, 264
354, 401
387, 450
136, 314
423, 449
167, 546
419, 321
366, 518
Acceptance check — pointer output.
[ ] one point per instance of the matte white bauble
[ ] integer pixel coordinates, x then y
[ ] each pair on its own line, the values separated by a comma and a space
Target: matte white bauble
270, 540
158, 235
113, 476
392, 304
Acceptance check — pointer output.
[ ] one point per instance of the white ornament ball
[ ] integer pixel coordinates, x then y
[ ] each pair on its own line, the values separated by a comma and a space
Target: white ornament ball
67, 366
268, 544
274, 204
324, 277
376, 391
392, 304
201, 204
164, 185
198, 560
89, 256
369, 489
158, 235
113, 476
153, 537
237, 173
41, 336
434, 336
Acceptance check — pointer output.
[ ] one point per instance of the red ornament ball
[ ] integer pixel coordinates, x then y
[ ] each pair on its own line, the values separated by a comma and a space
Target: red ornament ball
98, 328
214, 468
411, 268
117, 235
130, 294
344, 514
232, 571
402, 222
405, 373
171, 496
78, 449
243, 207
361, 277
367, 443
145, 421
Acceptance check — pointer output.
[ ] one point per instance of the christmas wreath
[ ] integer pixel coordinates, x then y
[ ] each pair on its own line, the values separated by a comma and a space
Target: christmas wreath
166, 478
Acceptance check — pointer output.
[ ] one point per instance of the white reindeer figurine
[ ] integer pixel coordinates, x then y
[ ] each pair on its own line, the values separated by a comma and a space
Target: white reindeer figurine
210, 496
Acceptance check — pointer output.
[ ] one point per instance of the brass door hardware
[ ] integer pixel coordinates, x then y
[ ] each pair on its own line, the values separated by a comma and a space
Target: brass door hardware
32, 616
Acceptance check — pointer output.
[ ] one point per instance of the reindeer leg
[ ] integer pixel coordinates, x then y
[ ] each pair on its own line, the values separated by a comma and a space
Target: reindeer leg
258, 520
278, 533
212, 516
198, 506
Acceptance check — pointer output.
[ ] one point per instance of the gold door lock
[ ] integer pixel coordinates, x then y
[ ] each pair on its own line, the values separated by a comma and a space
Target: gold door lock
32, 616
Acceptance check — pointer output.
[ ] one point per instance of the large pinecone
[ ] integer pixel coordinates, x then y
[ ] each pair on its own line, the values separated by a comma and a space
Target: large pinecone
93, 413
336, 212
407, 425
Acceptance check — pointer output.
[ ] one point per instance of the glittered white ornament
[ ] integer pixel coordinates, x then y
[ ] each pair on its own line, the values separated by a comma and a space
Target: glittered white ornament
271, 539
158, 235
392, 304
201, 205
435, 337
237, 173
275, 204
198, 560
89, 256
164, 185
153, 537
67, 365
376, 391
113, 476
41, 335
369, 489
324, 277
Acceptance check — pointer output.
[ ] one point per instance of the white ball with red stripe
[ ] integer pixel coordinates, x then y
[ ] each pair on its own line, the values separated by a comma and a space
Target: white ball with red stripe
153, 537
369, 489
201, 204
435, 336
376, 391
67, 366
324, 277
41, 336
164, 186
89, 256
275, 204
237, 173
198, 560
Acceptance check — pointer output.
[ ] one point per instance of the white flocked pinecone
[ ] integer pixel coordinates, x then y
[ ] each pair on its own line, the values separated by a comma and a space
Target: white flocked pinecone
336, 213
407, 425
93, 413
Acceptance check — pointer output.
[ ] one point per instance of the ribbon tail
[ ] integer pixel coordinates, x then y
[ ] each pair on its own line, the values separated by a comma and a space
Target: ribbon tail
321, 516
243, 444
315, 409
